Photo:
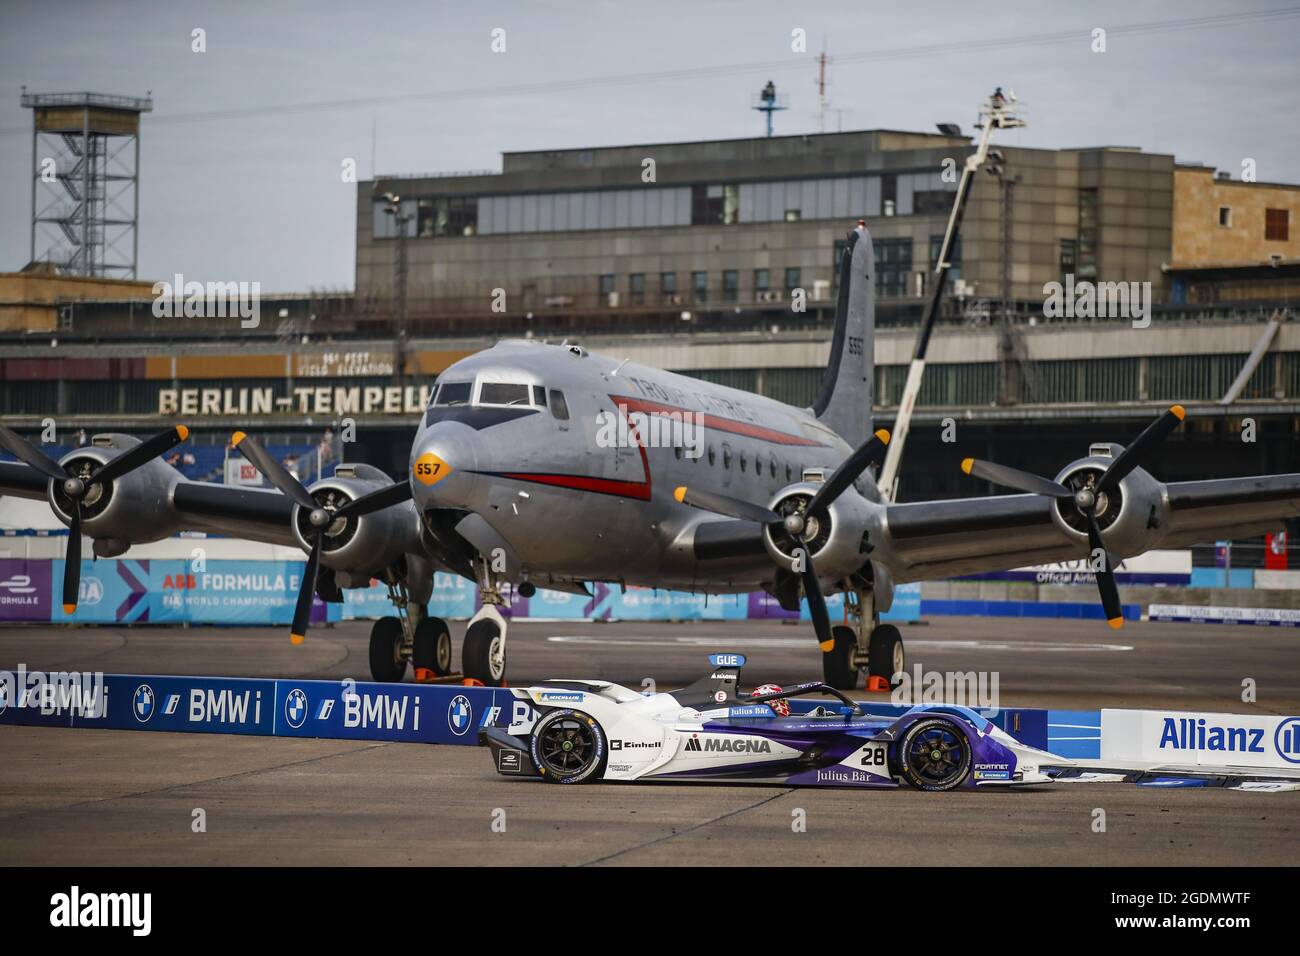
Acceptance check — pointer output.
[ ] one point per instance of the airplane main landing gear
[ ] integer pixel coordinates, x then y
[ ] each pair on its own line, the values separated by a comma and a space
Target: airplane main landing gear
431, 649
483, 655
387, 660
866, 645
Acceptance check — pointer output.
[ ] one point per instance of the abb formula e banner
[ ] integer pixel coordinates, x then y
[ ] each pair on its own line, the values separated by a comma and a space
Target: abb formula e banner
255, 592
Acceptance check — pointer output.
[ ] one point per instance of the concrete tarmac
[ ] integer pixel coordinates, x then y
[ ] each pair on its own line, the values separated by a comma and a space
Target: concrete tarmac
120, 797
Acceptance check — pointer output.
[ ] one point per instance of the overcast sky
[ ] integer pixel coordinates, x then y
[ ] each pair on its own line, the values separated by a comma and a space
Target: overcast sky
241, 157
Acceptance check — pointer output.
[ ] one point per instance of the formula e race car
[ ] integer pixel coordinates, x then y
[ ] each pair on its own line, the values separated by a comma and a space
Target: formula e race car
579, 731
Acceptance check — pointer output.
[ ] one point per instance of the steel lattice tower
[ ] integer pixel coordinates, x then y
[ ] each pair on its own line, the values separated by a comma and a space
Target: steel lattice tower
86, 182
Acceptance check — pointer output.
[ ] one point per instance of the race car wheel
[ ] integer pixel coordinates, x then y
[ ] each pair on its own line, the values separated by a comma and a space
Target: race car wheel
386, 662
838, 669
568, 746
935, 755
886, 654
483, 655
432, 649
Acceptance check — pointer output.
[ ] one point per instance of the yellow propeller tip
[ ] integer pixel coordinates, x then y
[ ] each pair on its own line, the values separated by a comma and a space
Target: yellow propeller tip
967, 464
826, 646
680, 493
1179, 412
69, 608
237, 437
1116, 622
883, 435
183, 432
296, 638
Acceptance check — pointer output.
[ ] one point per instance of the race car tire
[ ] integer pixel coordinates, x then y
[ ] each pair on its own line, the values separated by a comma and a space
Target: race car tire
481, 656
935, 755
838, 669
432, 647
386, 662
885, 654
568, 746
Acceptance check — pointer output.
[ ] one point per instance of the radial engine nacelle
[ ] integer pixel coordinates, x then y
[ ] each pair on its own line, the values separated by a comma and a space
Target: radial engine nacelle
361, 545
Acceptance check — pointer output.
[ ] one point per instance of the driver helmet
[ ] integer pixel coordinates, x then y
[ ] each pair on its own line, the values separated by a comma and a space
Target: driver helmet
779, 704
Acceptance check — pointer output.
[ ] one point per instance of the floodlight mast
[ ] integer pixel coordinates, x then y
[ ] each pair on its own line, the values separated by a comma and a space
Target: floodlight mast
998, 112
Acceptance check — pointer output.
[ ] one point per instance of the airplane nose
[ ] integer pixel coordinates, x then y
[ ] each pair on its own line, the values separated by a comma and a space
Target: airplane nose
443, 459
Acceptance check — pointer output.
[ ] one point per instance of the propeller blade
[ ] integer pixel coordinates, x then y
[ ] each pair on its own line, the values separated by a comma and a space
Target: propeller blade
72, 562
1105, 576
147, 450
394, 494
302, 611
726, 505
24, 451
847, 473
816, 603
1015, 478
1136, 453
272, 470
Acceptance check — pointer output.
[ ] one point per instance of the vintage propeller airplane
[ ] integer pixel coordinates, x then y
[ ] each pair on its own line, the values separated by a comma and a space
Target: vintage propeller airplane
511, 484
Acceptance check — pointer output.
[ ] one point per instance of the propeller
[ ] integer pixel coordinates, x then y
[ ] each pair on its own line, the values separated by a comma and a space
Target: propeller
76, 488
318, 518
1086, 497
801, 526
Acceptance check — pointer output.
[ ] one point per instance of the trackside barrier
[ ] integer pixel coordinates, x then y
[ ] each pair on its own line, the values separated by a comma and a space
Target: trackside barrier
257, 592
1215, 740
342, 710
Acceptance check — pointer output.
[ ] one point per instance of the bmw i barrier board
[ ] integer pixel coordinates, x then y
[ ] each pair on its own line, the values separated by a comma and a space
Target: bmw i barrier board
1216, 740
343, 710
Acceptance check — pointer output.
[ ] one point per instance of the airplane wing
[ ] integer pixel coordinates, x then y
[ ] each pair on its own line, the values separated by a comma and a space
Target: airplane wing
251, 513
938, 539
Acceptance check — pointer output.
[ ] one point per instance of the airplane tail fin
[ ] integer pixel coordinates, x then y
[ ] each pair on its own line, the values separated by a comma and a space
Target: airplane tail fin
844, 400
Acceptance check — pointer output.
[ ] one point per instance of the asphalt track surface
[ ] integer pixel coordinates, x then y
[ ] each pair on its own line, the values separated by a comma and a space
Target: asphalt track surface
120, 797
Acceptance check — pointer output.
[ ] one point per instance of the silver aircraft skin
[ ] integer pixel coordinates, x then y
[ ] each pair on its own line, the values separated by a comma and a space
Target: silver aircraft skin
543, 465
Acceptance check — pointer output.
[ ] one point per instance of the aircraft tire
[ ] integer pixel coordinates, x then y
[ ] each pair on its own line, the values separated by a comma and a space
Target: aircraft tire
386, 662
482, 656
886, 656
432, 647
838, 669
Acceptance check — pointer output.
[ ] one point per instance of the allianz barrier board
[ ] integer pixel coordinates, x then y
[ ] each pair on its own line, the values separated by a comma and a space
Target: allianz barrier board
336, 710
171, 591
1186, 737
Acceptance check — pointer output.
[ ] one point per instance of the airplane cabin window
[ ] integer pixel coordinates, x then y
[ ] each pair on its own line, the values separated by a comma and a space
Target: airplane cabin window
453, 393
713, 455
744, 461
559, 407
677, 452
726, 457
504, 393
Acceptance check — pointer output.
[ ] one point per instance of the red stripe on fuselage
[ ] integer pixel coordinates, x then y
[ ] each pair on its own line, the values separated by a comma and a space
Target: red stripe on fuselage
713, 421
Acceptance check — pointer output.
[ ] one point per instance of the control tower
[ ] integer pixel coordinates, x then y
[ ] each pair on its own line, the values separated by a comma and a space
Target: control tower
86, 182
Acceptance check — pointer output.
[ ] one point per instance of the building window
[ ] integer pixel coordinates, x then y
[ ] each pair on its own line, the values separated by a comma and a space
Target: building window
793, 280
446, 216
1068, 258
730, 285
715, 204
893, 266
888, 194
700, 283
668, 284
636, 288
762, 281
1225, 217
793, 215
1086, 257
1277, 224
932, 202
606, 284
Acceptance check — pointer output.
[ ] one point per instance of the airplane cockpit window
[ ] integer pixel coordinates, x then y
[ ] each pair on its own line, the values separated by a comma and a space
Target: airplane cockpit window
504, 393
453, 393
559, 407
539, 396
